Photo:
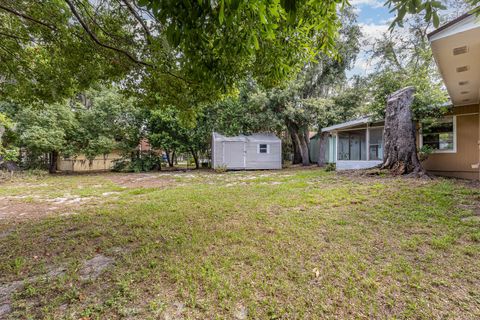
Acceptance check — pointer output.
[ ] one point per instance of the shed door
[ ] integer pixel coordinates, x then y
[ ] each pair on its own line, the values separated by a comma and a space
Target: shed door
234, 154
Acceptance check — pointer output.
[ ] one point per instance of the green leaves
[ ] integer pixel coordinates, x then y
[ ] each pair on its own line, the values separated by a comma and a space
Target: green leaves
429, 9
406, 61
221, 14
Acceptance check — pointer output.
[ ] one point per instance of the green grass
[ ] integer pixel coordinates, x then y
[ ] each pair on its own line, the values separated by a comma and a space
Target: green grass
293, 244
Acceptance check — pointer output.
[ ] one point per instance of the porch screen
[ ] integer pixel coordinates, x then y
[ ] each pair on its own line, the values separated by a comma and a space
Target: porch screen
376, 144
352, 145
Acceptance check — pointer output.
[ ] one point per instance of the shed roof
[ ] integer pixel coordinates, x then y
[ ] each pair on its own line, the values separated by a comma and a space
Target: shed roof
256, 137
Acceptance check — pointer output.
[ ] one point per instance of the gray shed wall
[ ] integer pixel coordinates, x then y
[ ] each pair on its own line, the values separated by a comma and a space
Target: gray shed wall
230, 153
272, 160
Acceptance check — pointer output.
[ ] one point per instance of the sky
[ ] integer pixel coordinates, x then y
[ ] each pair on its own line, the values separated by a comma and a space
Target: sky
374, 19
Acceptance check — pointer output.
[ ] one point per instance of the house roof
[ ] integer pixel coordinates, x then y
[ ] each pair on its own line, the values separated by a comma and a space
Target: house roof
348, 124
456, 49
449, 24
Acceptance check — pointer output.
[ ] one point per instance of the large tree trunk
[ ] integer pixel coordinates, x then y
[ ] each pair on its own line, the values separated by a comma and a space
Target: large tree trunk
400, 155
170, 157
322, 147
297, 157
303, 148
53, 162
195, 158
306, 143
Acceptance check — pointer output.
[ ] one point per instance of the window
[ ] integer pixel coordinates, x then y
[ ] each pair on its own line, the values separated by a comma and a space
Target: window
352, 145
439, 134
376, 144
263, 148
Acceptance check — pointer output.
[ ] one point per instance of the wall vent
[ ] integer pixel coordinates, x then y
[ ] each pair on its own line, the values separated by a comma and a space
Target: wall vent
462, 69
463, 83
460, 50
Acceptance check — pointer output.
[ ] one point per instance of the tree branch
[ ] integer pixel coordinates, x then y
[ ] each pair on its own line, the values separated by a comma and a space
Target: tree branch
26, 17
97, 41
13, 36
106, 46
139, 19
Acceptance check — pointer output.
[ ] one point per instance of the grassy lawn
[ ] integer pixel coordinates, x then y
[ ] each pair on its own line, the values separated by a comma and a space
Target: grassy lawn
292, 244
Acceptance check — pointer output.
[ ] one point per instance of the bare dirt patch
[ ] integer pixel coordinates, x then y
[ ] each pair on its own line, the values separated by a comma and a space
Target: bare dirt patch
16, 208
94, 267
90, 270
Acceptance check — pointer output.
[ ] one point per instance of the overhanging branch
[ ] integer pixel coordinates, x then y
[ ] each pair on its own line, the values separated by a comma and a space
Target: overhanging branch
26, 17
100, 43
139, 19
95, 39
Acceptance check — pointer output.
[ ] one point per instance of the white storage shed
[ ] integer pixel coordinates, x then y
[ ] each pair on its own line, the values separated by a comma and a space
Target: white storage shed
256, 151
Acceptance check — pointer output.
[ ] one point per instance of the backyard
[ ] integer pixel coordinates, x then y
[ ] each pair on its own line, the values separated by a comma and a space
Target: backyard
290, 244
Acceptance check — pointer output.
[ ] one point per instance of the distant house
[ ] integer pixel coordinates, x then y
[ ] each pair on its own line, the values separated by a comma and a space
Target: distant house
80, 163
105, 162
256, 151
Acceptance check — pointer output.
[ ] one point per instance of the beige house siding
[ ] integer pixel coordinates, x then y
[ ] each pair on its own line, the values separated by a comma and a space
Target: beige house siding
81, 164
459, 164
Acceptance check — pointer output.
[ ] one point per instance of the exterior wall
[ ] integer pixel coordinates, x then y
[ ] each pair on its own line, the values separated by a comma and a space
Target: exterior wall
81, 164
231, 155
459, 164
225, 154
271, 160
355, 165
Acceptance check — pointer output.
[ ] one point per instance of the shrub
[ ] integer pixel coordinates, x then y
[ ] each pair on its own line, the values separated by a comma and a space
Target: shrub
221, 169
147, 162
424, 152
330, 167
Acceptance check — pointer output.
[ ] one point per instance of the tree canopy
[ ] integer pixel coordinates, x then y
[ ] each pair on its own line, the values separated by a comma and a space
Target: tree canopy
183, 53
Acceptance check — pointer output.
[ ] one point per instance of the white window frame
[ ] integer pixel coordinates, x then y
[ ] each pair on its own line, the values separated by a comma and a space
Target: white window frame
454, 150
268, 148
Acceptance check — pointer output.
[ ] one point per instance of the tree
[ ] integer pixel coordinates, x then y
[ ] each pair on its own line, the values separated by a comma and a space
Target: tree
167, 130
344, 106
404, 58
92, 123
44, 129
300, 102
400, 155
183, 53
107, 120
407, 77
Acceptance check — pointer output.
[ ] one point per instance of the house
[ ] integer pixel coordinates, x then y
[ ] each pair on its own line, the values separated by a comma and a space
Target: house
256, 151
358, 144
456, 48
455, 139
